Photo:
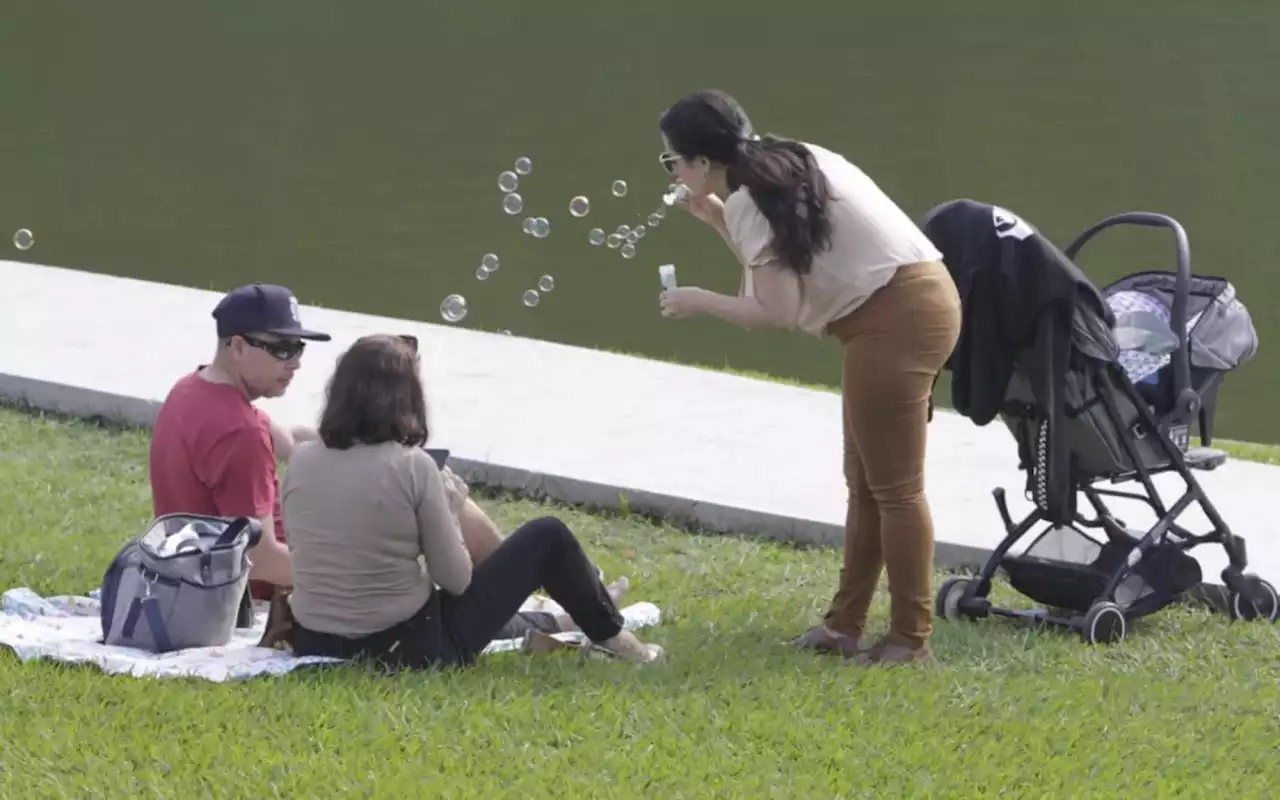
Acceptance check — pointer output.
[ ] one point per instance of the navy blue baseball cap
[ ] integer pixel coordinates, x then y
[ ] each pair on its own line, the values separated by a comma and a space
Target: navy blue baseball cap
262, 308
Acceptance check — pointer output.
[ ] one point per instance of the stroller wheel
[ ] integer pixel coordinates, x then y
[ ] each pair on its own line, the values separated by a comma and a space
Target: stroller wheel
1104, 624
1258, 601
946, 603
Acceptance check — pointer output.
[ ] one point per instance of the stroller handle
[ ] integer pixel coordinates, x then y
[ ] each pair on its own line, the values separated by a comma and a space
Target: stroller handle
1182, 280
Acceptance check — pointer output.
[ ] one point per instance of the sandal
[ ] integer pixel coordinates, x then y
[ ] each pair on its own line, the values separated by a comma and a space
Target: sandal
278, 634
625, 647
823, 640
536, 641
891, 651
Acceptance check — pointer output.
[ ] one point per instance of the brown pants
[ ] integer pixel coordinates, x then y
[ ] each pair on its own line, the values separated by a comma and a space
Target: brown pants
894, 346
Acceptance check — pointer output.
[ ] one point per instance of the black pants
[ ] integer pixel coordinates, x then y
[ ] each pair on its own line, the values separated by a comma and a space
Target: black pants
454, 629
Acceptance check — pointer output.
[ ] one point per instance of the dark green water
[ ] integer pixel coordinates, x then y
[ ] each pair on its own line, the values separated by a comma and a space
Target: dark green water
351, 150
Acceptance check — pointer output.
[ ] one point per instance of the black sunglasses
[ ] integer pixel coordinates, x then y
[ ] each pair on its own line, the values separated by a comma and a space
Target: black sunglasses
668, 161
410, 340
280, 351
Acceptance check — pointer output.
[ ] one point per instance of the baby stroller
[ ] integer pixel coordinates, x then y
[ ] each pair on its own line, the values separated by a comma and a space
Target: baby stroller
1097, 388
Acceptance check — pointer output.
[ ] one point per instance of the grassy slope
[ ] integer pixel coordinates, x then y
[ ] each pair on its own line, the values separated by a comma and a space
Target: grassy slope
1184, 707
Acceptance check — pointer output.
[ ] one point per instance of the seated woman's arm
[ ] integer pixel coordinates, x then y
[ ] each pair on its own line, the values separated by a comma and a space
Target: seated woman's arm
439, 535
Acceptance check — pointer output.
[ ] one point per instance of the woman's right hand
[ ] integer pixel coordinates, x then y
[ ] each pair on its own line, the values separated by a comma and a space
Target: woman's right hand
708, 208
456, 490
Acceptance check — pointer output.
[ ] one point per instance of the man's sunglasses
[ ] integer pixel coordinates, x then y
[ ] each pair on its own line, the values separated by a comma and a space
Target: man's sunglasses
668, 160
410, 340
281, 351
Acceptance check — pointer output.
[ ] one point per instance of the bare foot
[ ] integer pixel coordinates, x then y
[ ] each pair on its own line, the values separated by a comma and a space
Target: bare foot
617, 589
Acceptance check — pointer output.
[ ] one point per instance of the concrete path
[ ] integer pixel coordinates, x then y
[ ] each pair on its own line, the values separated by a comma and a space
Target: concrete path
732, 454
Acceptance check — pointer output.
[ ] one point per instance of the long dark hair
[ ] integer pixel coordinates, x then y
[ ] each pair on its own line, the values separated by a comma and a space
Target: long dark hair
781, 175
375, 395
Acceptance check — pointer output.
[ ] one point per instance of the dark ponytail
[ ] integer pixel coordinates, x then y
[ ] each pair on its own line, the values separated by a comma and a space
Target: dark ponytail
781, 175
792, 193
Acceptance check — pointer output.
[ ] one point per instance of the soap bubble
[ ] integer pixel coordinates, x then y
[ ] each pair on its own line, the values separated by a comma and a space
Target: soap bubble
660, 212
513, 203
483, 273
654, 219
619, 188
508, 181
23, 239
628, 250
596, 236
639, 231
632, 237
541, 228
490, 262
579, 206
454, 308
530, 298
527, 225
505, 332
546, 283
524, 165
613, 240
623, 230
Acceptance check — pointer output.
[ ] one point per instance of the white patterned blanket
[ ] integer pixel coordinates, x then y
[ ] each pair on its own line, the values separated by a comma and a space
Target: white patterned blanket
67, 628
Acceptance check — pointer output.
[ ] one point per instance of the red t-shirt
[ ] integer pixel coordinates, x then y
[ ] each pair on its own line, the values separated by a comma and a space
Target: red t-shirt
212, 453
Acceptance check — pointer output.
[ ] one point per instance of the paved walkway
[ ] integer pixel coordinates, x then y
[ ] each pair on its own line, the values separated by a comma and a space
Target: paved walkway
731, 453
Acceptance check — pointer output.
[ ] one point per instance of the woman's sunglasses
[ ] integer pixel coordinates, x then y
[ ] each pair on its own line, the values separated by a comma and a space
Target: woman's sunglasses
410, 340
668, 161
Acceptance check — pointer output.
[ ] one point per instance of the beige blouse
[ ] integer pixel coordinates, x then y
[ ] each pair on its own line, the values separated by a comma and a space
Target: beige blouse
358, 520
870, 238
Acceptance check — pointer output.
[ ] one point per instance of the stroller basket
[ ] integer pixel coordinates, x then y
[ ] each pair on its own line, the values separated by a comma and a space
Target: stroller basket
1065, 568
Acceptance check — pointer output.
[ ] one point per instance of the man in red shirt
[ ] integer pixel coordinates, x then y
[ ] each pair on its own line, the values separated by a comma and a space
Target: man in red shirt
214, 452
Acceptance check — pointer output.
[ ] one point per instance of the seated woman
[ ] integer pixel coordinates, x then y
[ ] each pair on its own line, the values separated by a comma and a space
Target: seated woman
365, 502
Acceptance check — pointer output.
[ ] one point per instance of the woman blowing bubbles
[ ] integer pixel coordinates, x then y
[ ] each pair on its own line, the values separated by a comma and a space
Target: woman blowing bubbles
824, 250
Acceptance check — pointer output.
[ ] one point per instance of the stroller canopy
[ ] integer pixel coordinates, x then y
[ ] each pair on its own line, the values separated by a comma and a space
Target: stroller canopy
1220, 331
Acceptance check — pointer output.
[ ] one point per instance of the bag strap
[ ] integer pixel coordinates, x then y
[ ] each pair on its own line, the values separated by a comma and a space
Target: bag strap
149, 606
232, 531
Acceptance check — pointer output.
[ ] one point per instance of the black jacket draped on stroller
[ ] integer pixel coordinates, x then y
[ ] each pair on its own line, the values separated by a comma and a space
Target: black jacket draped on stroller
1095, 386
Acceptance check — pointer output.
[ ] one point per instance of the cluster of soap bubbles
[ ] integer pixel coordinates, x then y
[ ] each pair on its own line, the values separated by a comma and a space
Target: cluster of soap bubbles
453, 309
624, 238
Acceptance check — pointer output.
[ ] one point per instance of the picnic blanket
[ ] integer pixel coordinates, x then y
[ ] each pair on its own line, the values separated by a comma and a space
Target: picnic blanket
67, 628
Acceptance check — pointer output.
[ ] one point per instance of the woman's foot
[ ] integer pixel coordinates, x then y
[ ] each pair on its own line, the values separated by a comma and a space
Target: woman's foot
891, 650
822, 639
617, 589
624, 646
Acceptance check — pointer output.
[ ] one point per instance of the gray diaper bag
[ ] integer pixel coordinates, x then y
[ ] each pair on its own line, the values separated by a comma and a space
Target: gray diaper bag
180, 584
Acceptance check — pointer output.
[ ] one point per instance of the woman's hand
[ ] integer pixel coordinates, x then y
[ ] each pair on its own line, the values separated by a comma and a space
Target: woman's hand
681, 302
456, 490
708, 208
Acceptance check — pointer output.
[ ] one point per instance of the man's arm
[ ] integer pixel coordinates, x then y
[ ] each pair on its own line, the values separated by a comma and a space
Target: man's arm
287, 438
479, 533
242, 477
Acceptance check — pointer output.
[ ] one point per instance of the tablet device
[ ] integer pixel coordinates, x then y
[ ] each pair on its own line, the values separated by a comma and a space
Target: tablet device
439, 455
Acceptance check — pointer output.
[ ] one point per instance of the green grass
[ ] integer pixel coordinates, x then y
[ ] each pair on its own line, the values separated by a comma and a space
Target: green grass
1185, 707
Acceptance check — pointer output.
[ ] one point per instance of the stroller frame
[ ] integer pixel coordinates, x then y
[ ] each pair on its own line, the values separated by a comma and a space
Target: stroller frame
1247, 597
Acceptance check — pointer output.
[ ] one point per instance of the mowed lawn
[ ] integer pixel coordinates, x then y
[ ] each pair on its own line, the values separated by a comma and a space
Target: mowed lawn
1188, 706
